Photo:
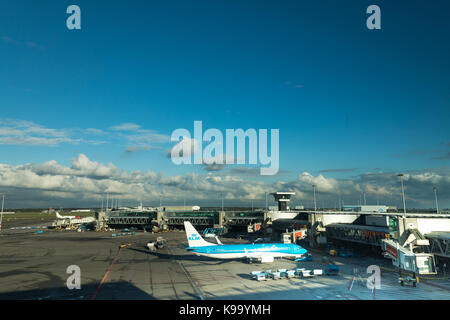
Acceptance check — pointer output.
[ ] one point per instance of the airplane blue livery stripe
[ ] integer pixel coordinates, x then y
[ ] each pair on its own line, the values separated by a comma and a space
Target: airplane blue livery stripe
251, 248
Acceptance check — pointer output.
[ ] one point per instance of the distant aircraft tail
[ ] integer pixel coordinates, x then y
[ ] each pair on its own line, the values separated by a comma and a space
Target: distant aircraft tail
218, 241
194, 238
58, 215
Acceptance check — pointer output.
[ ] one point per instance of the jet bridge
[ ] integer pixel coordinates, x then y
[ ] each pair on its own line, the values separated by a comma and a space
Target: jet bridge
439, 243
406, 259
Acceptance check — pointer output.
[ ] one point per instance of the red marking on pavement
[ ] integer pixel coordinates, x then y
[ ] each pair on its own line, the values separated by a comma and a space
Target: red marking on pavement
106, 274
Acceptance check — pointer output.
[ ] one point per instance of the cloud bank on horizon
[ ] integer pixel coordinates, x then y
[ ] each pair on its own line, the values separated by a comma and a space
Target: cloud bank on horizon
85, 183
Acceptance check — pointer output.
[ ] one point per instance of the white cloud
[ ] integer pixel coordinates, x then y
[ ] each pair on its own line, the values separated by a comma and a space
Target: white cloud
42, 184
28, 133
126, 127
142, 138
321, 183
21, 132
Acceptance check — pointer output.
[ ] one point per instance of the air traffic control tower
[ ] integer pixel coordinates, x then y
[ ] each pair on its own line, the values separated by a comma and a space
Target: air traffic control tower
282, 198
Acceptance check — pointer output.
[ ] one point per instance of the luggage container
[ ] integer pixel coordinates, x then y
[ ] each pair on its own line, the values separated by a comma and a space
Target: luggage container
275, 275
306, 273
261, 276
290, 274
318, 272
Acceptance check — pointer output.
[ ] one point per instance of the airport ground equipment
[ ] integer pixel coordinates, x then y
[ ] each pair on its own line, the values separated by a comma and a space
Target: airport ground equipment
275, 275
151, 246
306, 273
318, 272
290, 274
259, 275
345, 253
299, 271
263, 259
160, 242
332, 270
307, 257
123, 234
410, 281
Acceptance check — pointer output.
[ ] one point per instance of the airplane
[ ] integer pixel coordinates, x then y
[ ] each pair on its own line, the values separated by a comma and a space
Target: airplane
64, 217
263, 252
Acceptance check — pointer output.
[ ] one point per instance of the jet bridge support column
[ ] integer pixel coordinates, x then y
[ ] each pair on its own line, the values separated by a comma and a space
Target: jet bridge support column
160, 217
316, 230
221, 219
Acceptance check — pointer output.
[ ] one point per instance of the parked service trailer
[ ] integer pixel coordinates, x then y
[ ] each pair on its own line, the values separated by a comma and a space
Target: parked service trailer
261, 276
318, 272
275, 275
290, 274
299, 271
306, 273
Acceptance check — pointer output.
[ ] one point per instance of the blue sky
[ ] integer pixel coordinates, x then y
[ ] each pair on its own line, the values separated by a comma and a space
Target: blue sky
347, 100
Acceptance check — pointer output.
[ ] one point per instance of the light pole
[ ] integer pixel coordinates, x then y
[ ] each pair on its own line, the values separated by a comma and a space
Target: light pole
266, 199
364, 195
1, 215
315, 205
435, 197
403, 193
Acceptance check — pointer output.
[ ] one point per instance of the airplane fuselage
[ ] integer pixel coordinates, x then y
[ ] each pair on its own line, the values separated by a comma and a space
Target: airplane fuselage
235, 251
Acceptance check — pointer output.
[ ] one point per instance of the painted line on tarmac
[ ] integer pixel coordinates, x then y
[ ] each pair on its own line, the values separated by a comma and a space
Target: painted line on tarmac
196, 289
105, 277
